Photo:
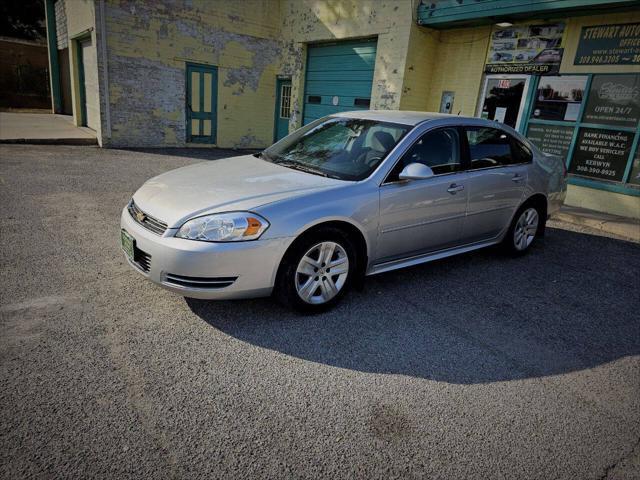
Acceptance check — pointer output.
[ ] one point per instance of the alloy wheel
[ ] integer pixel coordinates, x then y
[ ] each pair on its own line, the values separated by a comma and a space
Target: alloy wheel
322, 272
526, 229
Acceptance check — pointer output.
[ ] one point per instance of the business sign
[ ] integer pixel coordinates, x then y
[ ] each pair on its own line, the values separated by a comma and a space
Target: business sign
609, 45
614, 100
553, 139
526, 49
601, 153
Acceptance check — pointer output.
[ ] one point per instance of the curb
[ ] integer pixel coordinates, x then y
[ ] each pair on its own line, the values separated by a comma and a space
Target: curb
628, 229
49, 141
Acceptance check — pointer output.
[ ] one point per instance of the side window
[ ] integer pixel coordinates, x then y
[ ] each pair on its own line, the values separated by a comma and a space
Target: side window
521, 153
439, 150
488, 147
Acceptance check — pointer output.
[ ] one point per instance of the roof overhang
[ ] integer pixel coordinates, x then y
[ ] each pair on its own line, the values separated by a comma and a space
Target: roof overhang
443, 14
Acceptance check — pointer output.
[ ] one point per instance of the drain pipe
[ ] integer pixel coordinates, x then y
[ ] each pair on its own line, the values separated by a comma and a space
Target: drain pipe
105, 69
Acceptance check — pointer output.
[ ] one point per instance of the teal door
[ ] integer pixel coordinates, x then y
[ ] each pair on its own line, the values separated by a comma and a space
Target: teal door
202, 100
339, 78
283, 108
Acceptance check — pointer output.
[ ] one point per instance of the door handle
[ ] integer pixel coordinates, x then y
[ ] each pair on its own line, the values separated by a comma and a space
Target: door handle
517, 178
453, 188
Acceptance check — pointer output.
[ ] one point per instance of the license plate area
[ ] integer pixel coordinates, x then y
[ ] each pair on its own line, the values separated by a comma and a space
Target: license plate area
128, 244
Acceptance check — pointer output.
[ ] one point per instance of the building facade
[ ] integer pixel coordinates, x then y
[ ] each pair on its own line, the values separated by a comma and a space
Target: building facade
241, 74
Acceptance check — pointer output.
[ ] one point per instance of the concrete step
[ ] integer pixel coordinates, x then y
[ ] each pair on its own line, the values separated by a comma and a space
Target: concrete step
628, 228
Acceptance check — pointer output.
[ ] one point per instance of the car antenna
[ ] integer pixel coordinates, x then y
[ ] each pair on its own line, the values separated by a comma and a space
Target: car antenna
459, 112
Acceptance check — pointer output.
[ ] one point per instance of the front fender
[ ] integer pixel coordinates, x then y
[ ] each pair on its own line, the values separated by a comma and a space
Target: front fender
356, 204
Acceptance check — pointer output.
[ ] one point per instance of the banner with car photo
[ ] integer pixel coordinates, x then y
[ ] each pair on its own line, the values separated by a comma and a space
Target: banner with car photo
526, 49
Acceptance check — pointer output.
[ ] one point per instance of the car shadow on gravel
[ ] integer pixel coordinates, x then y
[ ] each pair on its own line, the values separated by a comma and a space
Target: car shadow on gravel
571, 304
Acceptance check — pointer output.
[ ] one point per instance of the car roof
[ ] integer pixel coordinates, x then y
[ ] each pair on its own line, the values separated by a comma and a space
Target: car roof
395, 116
414, 118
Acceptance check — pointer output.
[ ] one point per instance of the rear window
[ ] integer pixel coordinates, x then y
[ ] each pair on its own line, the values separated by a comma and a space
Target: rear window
491, 147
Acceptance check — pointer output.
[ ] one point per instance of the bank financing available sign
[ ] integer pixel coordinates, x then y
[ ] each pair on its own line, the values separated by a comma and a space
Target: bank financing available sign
526, 49
609, 45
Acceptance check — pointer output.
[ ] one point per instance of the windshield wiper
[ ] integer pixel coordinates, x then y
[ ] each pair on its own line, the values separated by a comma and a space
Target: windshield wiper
301, 167
264, 157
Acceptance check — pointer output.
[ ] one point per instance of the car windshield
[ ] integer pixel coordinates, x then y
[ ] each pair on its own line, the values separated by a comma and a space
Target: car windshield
337, 147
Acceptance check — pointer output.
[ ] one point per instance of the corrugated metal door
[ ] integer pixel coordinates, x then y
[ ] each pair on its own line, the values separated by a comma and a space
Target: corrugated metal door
339, 78
90, 77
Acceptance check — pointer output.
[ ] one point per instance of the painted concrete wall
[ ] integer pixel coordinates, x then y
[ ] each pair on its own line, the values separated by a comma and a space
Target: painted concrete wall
420, 67
80, 23
251, 42
448, 60
148, 46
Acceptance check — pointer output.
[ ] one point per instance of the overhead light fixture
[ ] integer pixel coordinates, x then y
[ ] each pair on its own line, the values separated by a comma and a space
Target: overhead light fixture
504, 24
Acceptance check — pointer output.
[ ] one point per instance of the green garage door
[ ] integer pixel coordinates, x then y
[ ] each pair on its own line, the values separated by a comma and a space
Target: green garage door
339, 78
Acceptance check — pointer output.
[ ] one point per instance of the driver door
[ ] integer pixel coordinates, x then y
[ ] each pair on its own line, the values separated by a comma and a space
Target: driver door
422, 216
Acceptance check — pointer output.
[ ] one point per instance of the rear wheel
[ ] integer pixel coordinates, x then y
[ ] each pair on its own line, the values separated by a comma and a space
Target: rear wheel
317, 271
524, 229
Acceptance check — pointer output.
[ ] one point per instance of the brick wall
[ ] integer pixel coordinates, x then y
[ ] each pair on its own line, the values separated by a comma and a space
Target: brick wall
62, 37
24, 77
149, 44
251, 43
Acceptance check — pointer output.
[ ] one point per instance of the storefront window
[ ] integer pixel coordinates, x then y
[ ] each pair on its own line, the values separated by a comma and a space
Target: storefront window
559, 98
553, 139
594, 130
601, 153
614, 100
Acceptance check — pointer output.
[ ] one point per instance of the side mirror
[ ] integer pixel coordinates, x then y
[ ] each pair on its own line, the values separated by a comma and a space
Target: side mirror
415, 171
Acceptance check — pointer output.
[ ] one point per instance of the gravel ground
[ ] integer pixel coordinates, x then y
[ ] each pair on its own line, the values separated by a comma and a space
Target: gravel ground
478, 366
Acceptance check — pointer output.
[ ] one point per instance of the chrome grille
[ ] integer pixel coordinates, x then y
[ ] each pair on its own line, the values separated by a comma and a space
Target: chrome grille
147, 221
199, 282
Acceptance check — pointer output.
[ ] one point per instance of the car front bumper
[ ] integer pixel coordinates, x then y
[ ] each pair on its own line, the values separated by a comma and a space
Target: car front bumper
243, 269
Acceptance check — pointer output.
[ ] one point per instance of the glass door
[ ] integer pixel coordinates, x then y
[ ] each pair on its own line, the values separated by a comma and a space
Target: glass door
503, 98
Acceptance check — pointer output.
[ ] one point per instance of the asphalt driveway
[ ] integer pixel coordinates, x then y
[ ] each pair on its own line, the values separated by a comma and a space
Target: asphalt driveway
479, 366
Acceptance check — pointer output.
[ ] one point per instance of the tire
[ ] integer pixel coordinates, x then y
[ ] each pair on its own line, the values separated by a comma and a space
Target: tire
304, 281
526, 226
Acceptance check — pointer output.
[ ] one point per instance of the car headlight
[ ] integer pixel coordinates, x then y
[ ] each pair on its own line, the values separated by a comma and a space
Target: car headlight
224, 227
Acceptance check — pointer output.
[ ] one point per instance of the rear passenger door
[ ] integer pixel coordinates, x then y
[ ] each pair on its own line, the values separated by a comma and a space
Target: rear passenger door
497, 175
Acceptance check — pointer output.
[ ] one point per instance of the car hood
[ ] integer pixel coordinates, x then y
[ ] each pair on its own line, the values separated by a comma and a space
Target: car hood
231, 184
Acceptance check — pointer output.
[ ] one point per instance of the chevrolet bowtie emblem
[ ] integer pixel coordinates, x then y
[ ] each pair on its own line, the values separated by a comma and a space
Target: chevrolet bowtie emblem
141, 217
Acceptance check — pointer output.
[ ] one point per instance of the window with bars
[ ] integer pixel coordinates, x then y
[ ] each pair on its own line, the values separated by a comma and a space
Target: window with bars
285, 101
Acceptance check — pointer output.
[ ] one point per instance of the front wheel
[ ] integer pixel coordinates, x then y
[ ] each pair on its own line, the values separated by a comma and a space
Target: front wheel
524, 229
317, 271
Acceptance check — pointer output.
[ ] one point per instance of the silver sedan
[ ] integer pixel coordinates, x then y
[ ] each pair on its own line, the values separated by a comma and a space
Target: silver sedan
349, 195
